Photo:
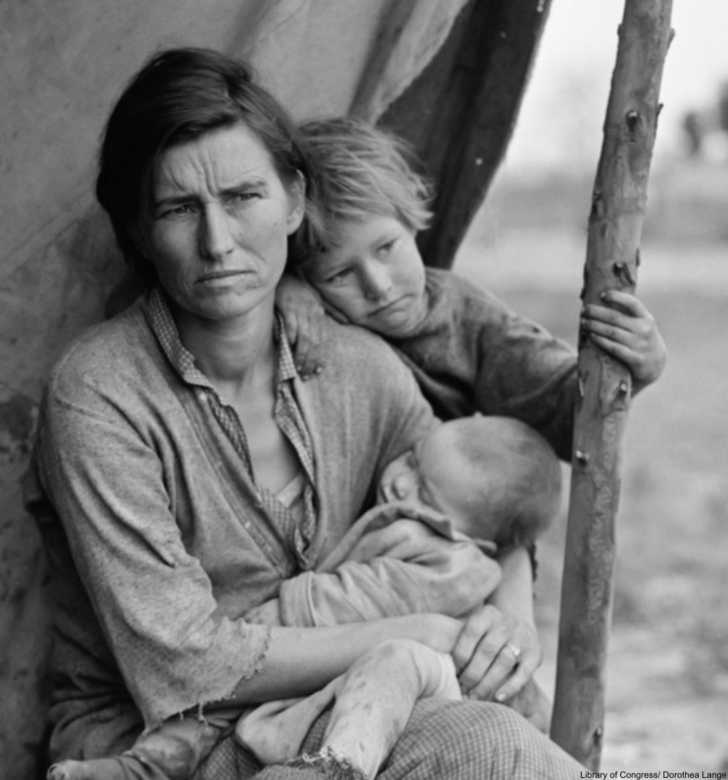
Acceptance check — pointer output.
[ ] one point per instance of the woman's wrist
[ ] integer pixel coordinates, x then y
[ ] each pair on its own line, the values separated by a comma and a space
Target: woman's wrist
438, 632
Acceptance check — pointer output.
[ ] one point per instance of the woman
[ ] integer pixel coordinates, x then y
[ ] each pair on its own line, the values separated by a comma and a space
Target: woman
191, 470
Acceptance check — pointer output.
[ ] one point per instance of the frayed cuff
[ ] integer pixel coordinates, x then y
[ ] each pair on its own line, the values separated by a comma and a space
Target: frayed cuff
328, 764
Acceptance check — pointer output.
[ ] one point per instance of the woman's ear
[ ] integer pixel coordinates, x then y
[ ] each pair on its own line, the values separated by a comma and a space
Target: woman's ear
296, 203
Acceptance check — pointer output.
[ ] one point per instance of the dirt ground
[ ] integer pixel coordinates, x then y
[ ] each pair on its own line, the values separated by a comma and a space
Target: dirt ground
667, 671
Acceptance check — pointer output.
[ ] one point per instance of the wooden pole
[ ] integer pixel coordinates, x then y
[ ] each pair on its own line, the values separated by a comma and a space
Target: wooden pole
615, 227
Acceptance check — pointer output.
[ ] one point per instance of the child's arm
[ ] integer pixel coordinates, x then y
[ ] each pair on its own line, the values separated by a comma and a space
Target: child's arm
401, 567
377, 697
626, 330
373, 701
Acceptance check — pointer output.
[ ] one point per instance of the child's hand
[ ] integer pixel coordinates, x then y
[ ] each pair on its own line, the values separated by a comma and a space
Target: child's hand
303, 317
628, 332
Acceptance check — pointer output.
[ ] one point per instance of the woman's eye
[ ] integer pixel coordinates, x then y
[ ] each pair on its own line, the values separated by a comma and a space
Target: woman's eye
180, 210
244, 197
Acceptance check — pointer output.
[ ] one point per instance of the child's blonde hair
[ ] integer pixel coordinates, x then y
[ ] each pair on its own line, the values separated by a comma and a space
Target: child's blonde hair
357, 170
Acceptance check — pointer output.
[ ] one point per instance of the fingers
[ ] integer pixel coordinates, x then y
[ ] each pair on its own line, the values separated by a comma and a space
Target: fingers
619, 351
637, 323
496, 654
290, 325
308, 360
522, 673
309, 349
501, 668
470, 635
611, 329
629, 303
482, 654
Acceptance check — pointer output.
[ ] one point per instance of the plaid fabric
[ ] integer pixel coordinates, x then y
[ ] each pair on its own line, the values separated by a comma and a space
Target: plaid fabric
465, 740
286, 412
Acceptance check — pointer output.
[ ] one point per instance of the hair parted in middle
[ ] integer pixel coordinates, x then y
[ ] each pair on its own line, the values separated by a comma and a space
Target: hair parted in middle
358, 170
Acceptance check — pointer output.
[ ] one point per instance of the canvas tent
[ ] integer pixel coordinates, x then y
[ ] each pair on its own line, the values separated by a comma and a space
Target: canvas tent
447, 75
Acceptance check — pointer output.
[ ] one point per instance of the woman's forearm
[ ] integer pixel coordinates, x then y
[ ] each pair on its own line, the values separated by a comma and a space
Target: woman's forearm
514, 594
301, 660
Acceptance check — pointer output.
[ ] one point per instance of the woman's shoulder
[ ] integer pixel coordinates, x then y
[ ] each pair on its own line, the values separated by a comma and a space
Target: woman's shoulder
363, 362
102, 352
358, 348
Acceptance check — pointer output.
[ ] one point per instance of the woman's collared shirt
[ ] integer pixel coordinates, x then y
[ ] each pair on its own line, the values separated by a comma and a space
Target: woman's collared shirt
171, 537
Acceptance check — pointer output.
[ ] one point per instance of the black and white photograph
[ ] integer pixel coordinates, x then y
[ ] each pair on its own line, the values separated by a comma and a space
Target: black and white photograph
364, 400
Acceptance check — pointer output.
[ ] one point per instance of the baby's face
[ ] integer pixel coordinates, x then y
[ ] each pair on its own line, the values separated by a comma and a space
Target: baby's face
428, 474
401, 480
374, 275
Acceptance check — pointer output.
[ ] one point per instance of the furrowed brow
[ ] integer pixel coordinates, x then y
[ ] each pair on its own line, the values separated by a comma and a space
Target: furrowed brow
172, 200
244, 186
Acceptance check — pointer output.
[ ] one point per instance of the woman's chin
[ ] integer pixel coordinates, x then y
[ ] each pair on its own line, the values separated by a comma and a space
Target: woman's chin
227, 305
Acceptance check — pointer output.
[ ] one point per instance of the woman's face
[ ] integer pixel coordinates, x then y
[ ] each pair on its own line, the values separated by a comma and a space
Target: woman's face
374, 275
218, 224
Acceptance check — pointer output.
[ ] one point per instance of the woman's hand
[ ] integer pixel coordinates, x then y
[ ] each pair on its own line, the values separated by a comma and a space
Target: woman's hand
303, 317
495, 654
628, 332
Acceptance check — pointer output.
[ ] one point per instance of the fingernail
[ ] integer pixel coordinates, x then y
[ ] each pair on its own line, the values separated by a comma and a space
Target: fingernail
500, 697
318, 369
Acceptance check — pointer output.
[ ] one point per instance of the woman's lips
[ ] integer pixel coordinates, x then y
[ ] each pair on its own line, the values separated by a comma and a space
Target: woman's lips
220, 276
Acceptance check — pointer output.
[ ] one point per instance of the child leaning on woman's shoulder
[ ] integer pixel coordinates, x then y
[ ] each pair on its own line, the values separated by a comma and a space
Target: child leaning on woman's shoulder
469, 351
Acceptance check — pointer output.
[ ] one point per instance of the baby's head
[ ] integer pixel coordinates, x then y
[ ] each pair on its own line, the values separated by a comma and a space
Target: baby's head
357, 244
494, 477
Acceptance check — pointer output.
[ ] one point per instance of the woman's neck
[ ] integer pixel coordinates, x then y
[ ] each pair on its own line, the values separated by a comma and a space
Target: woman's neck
232, 353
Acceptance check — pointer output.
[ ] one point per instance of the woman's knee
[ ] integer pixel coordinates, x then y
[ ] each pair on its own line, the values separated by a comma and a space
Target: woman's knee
477, 740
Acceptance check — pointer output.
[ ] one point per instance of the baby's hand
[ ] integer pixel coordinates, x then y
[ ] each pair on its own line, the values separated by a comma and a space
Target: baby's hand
628, 332
303, 317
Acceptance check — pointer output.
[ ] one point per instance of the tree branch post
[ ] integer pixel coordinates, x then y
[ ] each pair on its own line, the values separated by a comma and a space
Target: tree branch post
612, 259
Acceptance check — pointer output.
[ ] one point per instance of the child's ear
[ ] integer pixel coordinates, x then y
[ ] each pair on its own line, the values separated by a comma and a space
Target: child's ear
296, 203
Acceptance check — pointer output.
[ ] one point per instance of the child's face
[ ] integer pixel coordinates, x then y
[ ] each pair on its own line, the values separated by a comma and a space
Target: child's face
374, 275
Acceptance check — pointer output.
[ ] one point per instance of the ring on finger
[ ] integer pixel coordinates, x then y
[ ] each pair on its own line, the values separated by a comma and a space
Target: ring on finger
514, 650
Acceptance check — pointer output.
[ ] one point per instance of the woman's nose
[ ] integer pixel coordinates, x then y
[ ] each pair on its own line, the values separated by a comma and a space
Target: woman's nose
378, 281
216, 236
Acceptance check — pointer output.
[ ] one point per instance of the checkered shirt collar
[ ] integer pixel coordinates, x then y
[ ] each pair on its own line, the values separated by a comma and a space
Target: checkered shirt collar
163, 326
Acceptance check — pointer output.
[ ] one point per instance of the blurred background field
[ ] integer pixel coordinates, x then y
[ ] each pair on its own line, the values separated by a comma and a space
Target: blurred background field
667, 671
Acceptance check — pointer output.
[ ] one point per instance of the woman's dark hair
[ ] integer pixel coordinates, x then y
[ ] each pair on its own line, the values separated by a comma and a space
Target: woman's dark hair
179, 95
